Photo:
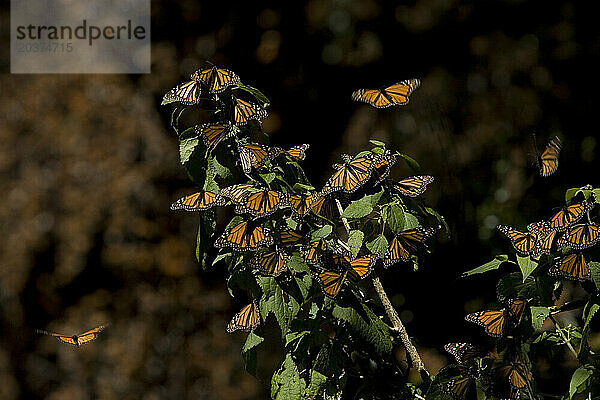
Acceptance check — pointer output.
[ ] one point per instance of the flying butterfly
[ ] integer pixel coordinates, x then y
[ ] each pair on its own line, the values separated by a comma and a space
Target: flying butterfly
244, 111
523, 242
212, 134
246, 319
297, 152
580, 236
198, 202
261, 204
243, 237
570, 214
216, 79
414, 185
271, 263
76, 340
573, 266
396, 94
187, 93
237, 193
547, 162
255, 155
350, 175
382, 167
406, 243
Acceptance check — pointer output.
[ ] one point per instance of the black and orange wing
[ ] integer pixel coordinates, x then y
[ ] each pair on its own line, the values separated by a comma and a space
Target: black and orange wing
492, 321
290, 237
413, 186
516, 309
351, 175
244, 111
460, 388
237, 193
212, 134
362, 266
90, 335
271, 263
187, 93
523, 242
297, 152
406, 243
216, 79
302, 204
254, 155
382, 168
331, 282
60, 337
261, 204
242, 237
312, 251
580, 236
198, 202
548, 160
571, 214
246, 319
517, 375
463, 352
396, 94
573, 266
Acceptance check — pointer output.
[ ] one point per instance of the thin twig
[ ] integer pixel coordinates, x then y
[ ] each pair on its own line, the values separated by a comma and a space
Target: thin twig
567, 342
397, 324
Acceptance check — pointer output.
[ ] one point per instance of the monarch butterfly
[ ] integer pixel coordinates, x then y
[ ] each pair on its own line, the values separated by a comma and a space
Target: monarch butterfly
187, 93
405, 243
254, 155
571, 214
262, 203
216, 79
76, 340
244, 111
396, 94
290, 238
382, 167
414, 185
360, 267
242, 237
492, 321
312, 251
271, 263
212, 134
198, 202
297, 152
237, 193
462, 352
302, 204
331, 281
462, 388
246, 319
580, 236
516, 309
351, 175
519, 376
573, 266
547, 162
521, 241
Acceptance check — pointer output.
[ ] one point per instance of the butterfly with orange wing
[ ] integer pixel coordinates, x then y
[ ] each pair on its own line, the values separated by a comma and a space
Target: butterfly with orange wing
352, 174
247, 319
396, 94
243, 236
198, 202
76, 340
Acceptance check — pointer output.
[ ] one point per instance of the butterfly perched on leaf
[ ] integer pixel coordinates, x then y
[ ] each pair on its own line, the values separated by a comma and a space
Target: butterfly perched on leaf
516, 374
580, 236
187, 93
237, 193
350, 175
255, 155
244, 112
406, 243
216, 80
246, 319
523, 242
566, 216
463, 352
461, 388
545, 237
243, 237
297, 152
547, 162
414, 185
302, 204
494, 322
271, 263
261, 204
313, 251
331, 281
382, 167
198, 202
573, 266
360, 267
289, 237
396, 94
76, 340
212, 134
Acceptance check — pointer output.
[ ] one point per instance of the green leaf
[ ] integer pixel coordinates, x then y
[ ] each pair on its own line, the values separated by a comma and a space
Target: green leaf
355, 241
394, 217
297, 264
489, 266
579, 379
363, 206
283, 307
527, 265
410, 221
590, 309
321, 233
268, 177
249, 352
186, 148
595, 270
368, 326
570, 193
596, 193
300, 187
377, 143
379, 245
286, 383
256, 93
411, 163
511, 286
538, 316
316, 385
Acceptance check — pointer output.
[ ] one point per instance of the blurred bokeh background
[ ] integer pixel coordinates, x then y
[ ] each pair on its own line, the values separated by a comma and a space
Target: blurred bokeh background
90, 167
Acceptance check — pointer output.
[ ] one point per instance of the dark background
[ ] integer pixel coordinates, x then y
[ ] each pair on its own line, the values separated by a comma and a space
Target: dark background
90, 168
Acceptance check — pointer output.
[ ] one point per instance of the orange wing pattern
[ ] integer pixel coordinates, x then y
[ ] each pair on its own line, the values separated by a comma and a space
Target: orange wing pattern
312, 251
198, 202
413, 186
301, 204
236, 193
187, 93
571, 214
406, 243
397, 94
580, 236
255, 155
331, 282
261, 204
492, 321
76, 340
244, 111
297, 152
548, 160
216, 79
351, 175
382, 168
523, 242
246, 319
271, 263
212, 134
241, 237
574, 266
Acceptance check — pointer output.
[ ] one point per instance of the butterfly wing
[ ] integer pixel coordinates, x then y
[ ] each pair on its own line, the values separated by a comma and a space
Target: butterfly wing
236, 193
312, 251
271, 263
90, 335
198, 202
516, 309
571, 214
459, 388
414, 185
523, 242
492, 321
548, 160
331, 282
234, 237
202, 75
212, 134
462, 352
187, 93
580, 236
297, 152
351, 175
573, 266
361, 267
60, 337
244, 111
382, 168
398, 94
246, 319
221, 79
261, 204
289, 237
373, 97
405, 243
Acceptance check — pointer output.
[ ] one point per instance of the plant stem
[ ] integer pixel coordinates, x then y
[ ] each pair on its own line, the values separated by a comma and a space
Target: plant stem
397, 324
567, 342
